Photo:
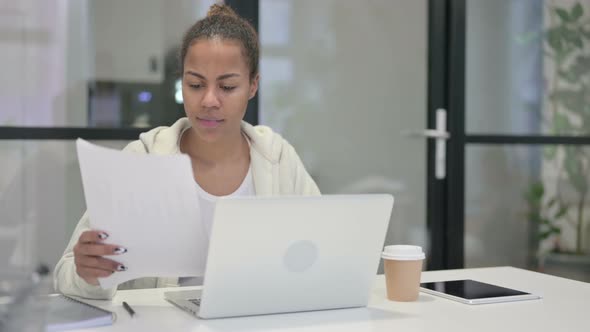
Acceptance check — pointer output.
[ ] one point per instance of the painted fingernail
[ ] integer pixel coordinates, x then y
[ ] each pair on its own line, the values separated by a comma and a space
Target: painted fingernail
121, 267
120, 250
102, 236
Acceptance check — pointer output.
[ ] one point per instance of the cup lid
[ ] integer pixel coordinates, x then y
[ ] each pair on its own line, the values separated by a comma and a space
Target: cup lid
403, 252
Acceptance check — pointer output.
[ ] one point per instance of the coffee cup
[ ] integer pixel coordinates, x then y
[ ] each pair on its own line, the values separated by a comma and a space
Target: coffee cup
403, 266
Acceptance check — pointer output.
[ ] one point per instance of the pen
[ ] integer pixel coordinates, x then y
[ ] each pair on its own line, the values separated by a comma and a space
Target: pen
128, 308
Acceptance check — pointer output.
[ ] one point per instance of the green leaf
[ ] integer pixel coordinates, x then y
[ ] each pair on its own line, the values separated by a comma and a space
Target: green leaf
554, 39
561, 212
571, 36
563, 15
534, 218
577, 12
537, 190
547, 231
545, 234
534, 194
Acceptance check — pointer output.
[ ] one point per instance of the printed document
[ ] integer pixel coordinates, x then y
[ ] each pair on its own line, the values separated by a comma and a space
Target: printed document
147, 204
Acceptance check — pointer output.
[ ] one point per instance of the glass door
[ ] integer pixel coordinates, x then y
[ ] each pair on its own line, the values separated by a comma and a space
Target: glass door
521, 94
346, 83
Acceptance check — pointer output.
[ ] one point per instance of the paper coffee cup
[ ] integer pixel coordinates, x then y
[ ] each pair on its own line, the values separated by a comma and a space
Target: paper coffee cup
403, 266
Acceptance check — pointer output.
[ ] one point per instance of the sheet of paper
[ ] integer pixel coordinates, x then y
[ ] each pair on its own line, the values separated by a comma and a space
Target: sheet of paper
147, 204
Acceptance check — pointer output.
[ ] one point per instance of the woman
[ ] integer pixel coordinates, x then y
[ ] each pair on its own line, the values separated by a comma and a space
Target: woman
219, 66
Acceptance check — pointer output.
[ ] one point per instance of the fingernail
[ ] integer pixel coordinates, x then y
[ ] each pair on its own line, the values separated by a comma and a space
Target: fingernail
102, 236
121, 267
120, 250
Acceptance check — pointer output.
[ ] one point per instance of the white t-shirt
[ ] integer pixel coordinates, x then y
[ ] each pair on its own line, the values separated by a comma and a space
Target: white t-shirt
207, 201
207, 205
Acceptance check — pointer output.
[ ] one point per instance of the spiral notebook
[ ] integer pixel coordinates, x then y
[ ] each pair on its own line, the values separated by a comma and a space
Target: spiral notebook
66, 313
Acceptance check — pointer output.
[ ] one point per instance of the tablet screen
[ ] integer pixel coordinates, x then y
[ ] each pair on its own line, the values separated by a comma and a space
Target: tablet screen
470, 289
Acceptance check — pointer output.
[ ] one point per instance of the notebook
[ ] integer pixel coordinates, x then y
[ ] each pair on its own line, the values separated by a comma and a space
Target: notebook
66, 313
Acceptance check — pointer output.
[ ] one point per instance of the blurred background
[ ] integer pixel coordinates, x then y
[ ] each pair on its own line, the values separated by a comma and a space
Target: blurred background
351, 84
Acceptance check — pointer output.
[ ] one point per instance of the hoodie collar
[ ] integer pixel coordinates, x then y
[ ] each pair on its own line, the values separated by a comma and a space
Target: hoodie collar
166, 140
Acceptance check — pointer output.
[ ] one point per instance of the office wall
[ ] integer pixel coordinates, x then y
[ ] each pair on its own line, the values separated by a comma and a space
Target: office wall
37, 87
47, 60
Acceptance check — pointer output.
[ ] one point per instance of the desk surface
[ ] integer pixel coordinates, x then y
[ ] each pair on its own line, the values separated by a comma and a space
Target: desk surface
565, 307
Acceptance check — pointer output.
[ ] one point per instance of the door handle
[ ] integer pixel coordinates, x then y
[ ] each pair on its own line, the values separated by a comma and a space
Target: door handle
434, 133
441, 135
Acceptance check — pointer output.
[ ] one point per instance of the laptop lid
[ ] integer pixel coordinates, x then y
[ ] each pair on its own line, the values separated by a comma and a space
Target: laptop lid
288, 254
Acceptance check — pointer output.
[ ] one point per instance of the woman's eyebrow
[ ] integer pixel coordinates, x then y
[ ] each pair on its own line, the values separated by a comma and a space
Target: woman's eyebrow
219, 78
189, 72
224, 76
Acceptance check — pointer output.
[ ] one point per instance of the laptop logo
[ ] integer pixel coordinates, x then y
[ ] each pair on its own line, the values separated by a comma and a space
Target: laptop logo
300, 256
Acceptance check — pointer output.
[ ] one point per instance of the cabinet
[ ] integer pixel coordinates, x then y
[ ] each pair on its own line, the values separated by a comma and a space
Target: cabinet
127, 37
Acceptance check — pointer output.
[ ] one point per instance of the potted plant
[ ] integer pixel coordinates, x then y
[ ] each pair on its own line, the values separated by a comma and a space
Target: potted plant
558, 204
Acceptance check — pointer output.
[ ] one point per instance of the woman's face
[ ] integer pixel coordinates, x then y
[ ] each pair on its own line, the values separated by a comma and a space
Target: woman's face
216, 87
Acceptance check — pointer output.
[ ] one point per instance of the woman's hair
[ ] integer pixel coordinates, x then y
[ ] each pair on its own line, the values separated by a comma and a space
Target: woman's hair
222, 22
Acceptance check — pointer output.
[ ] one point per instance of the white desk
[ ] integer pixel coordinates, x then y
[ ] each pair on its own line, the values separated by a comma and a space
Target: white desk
565, 307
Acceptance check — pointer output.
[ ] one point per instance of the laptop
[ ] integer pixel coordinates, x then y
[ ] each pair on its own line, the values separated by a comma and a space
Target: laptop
290, 254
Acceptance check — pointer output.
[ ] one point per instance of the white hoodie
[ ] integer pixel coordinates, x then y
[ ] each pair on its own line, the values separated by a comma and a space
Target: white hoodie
276, 170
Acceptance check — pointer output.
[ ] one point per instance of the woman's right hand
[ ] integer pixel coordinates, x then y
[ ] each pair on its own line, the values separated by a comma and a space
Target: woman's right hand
88, 252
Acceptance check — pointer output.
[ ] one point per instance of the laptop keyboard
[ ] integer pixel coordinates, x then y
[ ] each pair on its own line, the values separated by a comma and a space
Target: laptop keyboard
195, 301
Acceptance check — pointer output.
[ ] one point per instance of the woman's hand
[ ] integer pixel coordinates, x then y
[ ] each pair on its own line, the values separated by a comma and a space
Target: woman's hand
88, 252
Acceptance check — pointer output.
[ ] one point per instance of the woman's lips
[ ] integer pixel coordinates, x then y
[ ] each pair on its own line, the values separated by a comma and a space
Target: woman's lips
209, 123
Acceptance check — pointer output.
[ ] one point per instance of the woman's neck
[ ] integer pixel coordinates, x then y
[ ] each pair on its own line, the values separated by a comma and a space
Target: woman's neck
229, 149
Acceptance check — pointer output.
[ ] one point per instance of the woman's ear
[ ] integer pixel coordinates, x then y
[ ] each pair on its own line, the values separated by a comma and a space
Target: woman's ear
254, 86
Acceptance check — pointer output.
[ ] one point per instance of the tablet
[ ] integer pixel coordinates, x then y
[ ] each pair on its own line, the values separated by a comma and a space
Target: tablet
475, 292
